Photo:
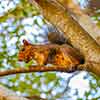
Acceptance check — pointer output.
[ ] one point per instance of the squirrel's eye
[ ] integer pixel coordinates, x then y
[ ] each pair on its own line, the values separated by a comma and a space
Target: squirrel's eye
22, 48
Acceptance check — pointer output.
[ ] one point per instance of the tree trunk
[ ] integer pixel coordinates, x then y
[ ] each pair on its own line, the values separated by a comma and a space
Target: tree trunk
82, 18
75, 34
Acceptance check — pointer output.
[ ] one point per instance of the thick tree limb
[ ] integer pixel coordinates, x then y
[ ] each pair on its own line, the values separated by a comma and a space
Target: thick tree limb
47, 69
90, 67
83, 19
76, 35
34, 69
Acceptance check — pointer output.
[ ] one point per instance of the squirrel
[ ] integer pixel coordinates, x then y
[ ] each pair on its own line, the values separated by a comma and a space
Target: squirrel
62, 55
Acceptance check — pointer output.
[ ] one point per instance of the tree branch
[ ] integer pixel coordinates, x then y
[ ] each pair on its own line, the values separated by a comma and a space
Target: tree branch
83, 19
35, 98
85, 67
97, 98
33, 69
68, 81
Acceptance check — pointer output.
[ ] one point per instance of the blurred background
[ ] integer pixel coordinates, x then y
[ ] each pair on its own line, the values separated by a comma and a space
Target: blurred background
20, 20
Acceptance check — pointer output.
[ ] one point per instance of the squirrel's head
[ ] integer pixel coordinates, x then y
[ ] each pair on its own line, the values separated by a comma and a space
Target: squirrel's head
35, 52
25, 52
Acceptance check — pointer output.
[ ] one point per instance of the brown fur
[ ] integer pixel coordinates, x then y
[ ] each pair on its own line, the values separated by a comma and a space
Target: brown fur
63, 55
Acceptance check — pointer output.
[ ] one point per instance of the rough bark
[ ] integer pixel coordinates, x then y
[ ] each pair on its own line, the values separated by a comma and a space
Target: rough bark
83, 19
75, 34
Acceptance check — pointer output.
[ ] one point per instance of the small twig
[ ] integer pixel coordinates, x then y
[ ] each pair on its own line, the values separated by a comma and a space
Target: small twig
69, 79
35, 98
33, 69
97, 98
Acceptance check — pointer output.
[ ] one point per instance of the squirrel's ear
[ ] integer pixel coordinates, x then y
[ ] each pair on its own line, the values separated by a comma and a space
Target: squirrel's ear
25, 42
